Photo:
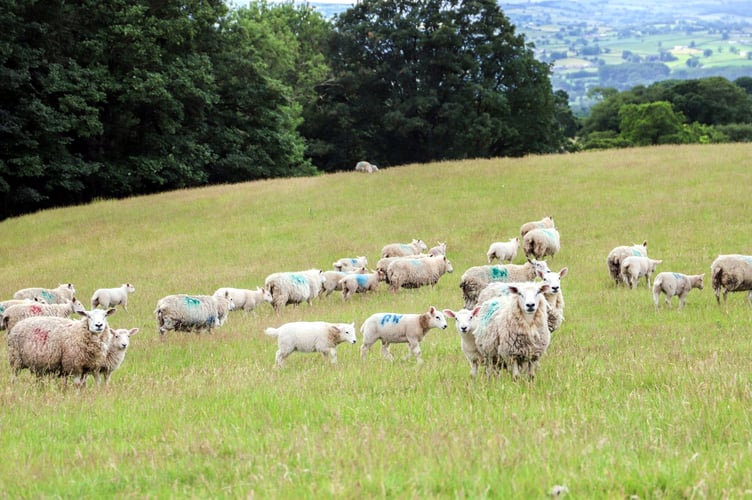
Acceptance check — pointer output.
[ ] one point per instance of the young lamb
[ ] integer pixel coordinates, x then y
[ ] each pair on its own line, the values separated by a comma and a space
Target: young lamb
635, 267
350, 264
620, 253
465, 322
503, 251
675, 284
414, 273
60, 346
392, 328
192, 312
477, 278
110, 297
294, 288
541, 242
360, 283
439, 249
403, 249
333, 279
115, 356
731, 273
16, 313
311, 336
60, 295
554, 298
545, 222
245, 299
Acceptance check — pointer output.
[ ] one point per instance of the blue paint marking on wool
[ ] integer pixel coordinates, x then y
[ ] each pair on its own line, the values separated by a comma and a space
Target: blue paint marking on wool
391, 318
362, 279
636, 253
2, 308
192, 302
499, 273
550, 234
298, 279
49, 297
405, 246
747, 258
678, 276
353, 261
416, 262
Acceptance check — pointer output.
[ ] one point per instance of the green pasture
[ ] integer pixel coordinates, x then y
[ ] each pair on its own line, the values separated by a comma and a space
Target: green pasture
629, 402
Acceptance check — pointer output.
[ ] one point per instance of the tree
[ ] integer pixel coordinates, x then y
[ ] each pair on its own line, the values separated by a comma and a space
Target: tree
650, 123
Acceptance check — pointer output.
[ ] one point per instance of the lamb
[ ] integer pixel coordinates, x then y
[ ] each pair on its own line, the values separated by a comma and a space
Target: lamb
414, 273
60, 346
111, 297
294, 287
439, 249
465, 322
311, 336
541, 242
366, 167
392, 328
403, 249
16, 313
545, 222
192, 312
635, 267
731, 273
60, 295
620, 253
349, 264
675, 284
477, 278
115, 355
503, 251
245, 299
332, 280
360, 283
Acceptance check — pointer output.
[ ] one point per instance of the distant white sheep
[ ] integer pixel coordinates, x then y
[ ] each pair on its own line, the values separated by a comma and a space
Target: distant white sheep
403, 249
634, 267
350, 264
121, 339
366, 167
678, 284
541, 242
111, 297
465, 322
503, 251
183, 312
294, 287
439, 249
392, 328
620, 253
244, 298
16, 313
477, 278
60, 295
414, 273
731, 273
545, 222
360, 283
311, 336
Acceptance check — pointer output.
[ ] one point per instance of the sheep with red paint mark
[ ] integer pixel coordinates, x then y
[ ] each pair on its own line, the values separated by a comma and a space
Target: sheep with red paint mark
18, 312
60, 295
5, 304
394, 328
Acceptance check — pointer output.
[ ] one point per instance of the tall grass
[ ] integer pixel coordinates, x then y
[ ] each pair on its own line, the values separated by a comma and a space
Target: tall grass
628, 401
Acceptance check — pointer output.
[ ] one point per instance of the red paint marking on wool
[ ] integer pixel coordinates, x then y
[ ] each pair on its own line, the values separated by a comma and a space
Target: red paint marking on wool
35, 310
40, 336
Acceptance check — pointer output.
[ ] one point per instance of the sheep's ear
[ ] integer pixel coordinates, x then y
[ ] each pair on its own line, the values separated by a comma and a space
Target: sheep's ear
645, 243
475, 311
432, 310
110, 311
449, 313
132, 331
563, 272
544, 288
513, 289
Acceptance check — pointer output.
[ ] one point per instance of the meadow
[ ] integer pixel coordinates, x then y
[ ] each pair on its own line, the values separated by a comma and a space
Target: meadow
628, 401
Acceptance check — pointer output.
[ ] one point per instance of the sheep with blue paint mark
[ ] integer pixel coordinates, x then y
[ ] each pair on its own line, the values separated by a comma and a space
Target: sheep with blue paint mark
678, 284
332, 280
620, 253
476, 278
5, 304
403, 249
294, 287
60, 295
394, 328
731, 273
350, 264
545, 222
541, 242
360, 283
182, 312
414, 273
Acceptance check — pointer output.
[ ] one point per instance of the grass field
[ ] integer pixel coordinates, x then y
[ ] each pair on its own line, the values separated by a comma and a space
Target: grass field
628, 401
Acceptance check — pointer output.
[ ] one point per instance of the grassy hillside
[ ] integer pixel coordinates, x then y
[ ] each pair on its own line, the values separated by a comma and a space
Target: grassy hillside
628, 401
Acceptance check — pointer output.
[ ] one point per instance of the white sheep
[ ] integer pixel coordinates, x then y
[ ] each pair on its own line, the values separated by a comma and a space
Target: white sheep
503, 251
465, 322
294, 287
731, 273
111, 297
414, 273
60, 295
678, 284
541, 242
311, 336
439, 249
366, 167
332, 280
18, 312
360, 283
183, 312
635, 267
244, 298
620, 253
350, 264
5, 304
545, 222
403, 249
393, 328
477, 278
115, 356
60, 346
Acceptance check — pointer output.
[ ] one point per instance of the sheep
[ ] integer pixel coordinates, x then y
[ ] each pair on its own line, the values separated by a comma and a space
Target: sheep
403, 249
60, 346
503, 251
439, 249
360, 283
311, 336
620, 253
245, 299
465, 322
110, 297
675, 284
487, 345
635, 267
115, 355
16, 313
414, 273
348, 264
541, 242
545, 222
294, 287
731, 273
332, 280
5, 304
366, 167
182, 312
476, 278
60, 295
392, 328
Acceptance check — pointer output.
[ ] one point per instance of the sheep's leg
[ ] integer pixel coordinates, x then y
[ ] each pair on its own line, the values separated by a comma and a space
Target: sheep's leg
332, 355
656, 298
279, 359
515, 369
474, 369
749, 297
385, 351
415, 350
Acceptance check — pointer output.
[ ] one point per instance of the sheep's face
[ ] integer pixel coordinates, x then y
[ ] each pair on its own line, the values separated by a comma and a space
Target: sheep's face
121, 338
464, 319
267, 295
347, 332
129, 288
527, 296
438, 320
553, 280
540, 266
97, 319
449, 267
78, 307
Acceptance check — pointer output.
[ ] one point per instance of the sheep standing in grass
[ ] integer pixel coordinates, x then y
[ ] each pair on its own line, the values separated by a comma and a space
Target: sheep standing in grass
403, 249
731, 273
414, 273
465, 322
541, 242
60, 295
439, 249
350, 264
5, 304
192, 312
16, 313
294, 287
121, 339
360, 283
477, 278
675, 284
392, 328
503, 251
486, 343
620, 253
633, 268
245, 299
545, 222
111, 297
366, 167
60, 346
333, 280
311, 336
